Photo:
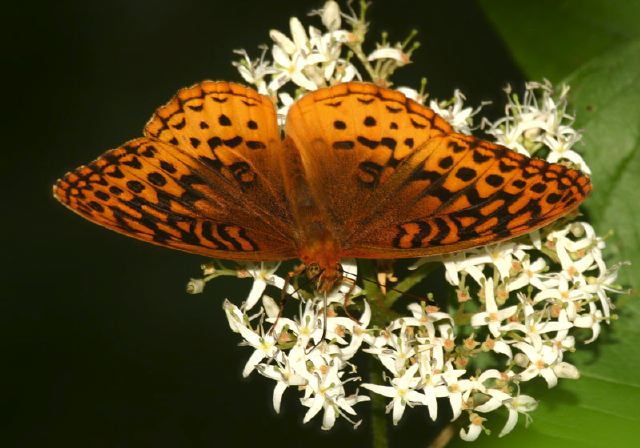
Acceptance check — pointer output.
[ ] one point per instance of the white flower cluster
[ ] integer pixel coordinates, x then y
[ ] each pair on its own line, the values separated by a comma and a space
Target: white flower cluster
519, 305
539, 121
297, 352
312, 58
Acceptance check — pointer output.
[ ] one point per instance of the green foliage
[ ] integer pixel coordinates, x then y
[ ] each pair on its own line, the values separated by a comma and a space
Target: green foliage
594, 47
552, 38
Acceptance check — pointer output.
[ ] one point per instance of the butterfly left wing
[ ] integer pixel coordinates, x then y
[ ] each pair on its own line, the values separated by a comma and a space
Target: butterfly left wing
489, 194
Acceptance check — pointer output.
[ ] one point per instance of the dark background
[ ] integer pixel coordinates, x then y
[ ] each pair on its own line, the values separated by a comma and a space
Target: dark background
101, 346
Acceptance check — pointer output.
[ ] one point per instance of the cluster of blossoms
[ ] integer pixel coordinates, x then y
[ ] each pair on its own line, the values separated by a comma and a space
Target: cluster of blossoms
518, 306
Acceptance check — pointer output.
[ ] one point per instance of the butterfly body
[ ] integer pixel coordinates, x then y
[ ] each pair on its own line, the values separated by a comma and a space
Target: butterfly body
361, 172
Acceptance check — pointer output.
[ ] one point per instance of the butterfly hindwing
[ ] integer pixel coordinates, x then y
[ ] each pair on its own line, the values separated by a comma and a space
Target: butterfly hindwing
488, 195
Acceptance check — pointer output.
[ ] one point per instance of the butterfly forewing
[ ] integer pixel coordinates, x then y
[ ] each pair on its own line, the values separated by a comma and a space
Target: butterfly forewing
233, 131
353, 138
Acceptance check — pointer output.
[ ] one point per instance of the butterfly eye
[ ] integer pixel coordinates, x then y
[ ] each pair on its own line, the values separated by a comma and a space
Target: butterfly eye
313, 270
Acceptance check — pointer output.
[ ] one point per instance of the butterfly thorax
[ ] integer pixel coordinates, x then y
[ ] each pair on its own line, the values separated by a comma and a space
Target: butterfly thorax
318, 246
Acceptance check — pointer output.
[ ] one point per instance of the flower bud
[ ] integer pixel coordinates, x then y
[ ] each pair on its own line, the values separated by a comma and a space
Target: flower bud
331, 15
566, 370
270, 306
195, 286
208, 268
521, 360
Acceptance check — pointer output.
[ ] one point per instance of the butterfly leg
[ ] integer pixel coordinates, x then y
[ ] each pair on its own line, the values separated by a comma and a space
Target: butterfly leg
283, 295
347, 298
324, 324
385, 273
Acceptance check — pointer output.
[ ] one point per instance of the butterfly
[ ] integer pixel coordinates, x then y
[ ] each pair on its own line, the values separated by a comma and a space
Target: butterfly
360, 171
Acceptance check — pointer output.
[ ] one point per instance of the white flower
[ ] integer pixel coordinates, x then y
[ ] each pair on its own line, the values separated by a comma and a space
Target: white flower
590, 321
263, 274
541, 361
325, 391
286, 101
307, 328
566, 370
389, 53
493, 316
397, 352
533, 122
263, 344
254, 72
602, 285
284, 375
462, 263
561, 150
458, 116
291, 68
339, 327
472, 262
474, 429
402, 391
435, 385
412, 94
530, 274
573, 265
424, 317
567, 295
535, 324
456, 387
522, 404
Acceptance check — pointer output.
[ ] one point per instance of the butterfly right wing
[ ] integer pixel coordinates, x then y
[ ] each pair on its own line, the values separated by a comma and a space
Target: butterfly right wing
148, 190
205, 179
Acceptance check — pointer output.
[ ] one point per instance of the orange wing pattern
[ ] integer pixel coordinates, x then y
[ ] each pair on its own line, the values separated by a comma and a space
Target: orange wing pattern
352, 139
202, 180
363, 172
400, 183
485, 195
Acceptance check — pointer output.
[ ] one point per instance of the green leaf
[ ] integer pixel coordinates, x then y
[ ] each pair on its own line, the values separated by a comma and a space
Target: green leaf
552, 38
606, 97
600, 409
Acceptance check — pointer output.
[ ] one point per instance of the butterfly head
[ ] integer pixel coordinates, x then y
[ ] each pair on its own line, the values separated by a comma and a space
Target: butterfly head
325, 277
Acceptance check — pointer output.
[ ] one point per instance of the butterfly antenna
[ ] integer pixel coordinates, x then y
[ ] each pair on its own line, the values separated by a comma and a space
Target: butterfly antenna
284, 295
324, 325
408, 294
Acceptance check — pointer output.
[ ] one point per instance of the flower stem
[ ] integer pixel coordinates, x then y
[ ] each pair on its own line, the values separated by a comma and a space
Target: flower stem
378, 408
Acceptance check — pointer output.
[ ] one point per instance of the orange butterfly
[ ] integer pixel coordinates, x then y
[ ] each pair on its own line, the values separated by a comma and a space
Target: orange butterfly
361, 172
